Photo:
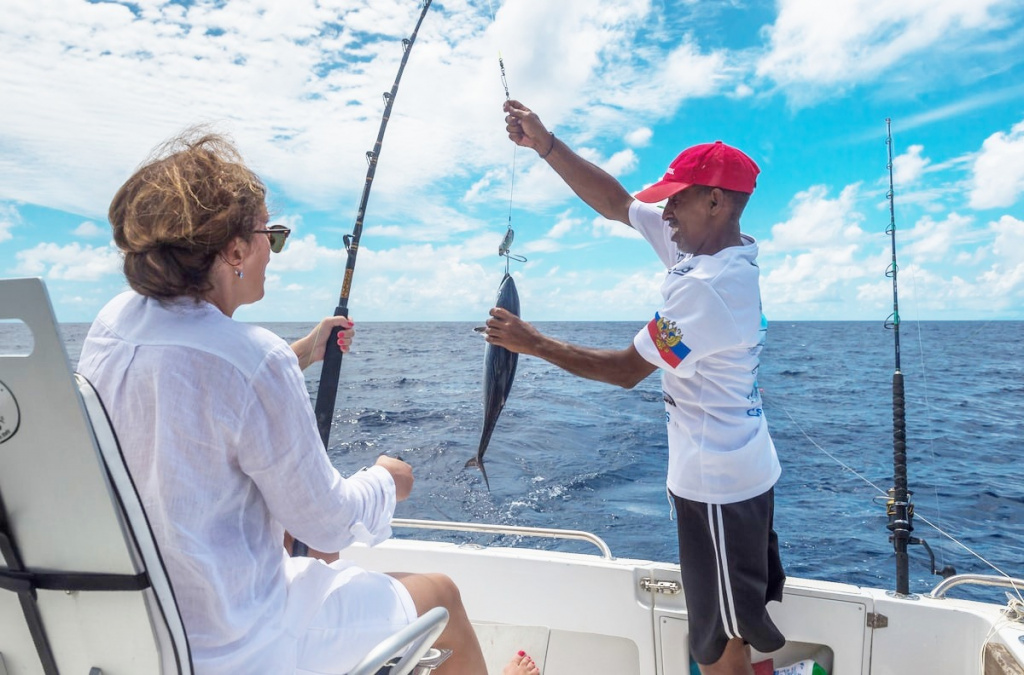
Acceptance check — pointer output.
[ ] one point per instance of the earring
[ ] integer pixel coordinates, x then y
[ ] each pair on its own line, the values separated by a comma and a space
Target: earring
239, 273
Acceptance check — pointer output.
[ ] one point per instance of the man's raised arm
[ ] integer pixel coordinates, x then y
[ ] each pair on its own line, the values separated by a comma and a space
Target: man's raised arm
595, 186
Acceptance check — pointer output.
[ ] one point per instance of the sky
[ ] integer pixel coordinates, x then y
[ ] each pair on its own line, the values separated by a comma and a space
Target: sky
88, 90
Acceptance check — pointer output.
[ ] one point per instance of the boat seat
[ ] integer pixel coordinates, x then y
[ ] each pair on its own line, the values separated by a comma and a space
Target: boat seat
83, 589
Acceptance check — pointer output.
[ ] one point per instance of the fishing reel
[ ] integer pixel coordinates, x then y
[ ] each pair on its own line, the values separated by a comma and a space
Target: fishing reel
901, 516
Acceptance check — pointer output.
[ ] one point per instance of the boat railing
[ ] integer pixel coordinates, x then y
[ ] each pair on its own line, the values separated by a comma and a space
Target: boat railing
488, 528
991, 580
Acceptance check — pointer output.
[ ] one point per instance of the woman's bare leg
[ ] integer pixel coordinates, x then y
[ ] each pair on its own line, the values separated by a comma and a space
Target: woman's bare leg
438, 590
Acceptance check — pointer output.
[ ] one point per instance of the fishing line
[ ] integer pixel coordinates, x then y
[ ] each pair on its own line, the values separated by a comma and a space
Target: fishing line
827, 453
930, 420
969, 550
506, 243
930, 412
884, 494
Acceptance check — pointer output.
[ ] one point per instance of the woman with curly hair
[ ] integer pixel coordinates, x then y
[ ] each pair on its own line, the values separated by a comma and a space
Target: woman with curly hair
220, 438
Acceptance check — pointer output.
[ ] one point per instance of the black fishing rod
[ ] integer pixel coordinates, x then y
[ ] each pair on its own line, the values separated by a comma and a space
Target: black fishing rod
328, 389
327, 392
899, 508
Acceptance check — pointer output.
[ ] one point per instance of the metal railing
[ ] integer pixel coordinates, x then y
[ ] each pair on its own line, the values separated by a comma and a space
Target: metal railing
977, 580
485, 528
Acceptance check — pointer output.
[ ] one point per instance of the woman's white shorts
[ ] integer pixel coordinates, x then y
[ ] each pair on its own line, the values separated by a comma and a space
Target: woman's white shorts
358, 614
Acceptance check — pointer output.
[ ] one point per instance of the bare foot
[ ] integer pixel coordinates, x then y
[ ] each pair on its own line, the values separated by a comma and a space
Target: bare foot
521, 664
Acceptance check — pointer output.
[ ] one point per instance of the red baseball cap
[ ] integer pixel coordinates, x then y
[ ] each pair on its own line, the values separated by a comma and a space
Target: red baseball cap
712, 164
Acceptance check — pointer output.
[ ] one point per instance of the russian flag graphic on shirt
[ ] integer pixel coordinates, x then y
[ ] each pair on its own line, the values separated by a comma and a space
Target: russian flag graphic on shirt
668, 339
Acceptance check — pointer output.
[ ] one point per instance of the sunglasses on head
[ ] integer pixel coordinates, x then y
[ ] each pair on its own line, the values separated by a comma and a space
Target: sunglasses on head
277, 234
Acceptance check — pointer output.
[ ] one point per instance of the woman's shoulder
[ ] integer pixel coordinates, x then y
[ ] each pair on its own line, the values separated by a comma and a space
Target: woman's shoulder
247, 346
194, 327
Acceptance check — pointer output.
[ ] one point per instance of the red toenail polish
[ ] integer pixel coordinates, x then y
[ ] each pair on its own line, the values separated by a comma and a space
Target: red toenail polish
522, 653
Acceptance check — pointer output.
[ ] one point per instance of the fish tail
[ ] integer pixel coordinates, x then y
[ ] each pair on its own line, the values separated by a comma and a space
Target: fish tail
478, 462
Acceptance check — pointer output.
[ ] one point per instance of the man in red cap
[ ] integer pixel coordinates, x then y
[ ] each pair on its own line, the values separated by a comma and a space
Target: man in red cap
706, 338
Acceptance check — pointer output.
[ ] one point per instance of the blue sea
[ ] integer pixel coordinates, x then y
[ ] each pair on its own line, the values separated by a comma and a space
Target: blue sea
569, 453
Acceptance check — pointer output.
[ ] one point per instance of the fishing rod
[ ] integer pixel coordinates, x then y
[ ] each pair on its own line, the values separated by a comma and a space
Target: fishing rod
328, 389
330, 372
899, 508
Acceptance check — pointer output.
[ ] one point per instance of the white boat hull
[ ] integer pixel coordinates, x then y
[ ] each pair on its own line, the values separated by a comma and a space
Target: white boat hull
586, 614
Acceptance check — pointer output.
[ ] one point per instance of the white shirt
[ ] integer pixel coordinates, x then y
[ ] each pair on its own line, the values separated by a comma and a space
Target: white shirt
706, 338
216, 426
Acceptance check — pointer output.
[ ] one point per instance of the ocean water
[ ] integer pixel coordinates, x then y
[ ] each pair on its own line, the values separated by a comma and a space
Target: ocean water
569, 453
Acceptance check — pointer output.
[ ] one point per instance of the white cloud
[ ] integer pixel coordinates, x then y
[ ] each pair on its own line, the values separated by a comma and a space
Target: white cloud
555, 239
932, 242
622, 162
819, 221
985, 279
1008, 245
543, 246
95, 85
72, 262
563, 226
299, 88
133, 81
602, 227
743, 91
908, 168
998, 174
837, 43
573, 296
813, 275
1001, 287
483, 189
426, 283
9, 219
813, 260
959, 107
639, 138
304, 254
89, 229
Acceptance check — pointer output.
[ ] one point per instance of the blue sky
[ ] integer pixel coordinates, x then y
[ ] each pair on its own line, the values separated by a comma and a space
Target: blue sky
804, 86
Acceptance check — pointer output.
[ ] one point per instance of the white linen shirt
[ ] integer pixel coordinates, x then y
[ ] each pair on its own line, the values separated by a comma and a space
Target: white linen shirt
706, 338
215, 424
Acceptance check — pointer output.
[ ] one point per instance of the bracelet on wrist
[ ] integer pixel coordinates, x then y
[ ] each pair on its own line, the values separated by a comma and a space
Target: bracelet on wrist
545, 155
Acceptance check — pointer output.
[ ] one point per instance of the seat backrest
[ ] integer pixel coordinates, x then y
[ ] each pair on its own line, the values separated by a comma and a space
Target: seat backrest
82, 586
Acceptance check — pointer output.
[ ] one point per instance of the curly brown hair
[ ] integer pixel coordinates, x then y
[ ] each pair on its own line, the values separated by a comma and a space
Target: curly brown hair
180, 209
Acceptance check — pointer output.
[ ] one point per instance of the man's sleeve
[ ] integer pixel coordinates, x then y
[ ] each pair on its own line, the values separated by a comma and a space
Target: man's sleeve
693, 324
646, 220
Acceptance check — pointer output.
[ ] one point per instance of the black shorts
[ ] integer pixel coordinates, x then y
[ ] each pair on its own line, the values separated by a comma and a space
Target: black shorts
729, 557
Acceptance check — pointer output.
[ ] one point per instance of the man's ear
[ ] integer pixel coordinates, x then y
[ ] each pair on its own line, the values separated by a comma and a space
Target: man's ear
716, 197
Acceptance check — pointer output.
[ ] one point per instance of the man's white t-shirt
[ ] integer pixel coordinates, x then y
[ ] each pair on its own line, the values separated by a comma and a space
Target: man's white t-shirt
706, 338
218, 433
